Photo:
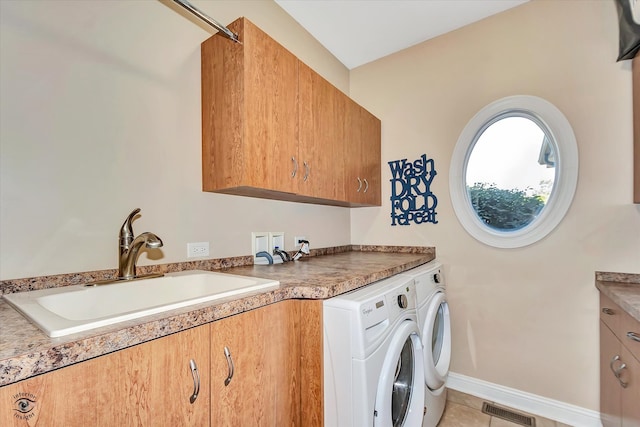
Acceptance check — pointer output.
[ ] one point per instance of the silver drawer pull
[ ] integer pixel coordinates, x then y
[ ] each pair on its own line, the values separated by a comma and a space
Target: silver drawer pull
295, 167
633, 336
366, 183
196, 381
227, 354
359, 185
608, 311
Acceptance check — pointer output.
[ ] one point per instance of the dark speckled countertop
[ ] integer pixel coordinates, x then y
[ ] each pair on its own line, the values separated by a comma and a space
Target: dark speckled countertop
623, 289
26, 351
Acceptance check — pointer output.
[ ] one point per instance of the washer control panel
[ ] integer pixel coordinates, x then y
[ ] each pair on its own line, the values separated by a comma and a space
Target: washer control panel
365, 315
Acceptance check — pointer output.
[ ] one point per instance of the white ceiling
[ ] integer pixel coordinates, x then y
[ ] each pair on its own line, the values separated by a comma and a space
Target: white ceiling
360, 31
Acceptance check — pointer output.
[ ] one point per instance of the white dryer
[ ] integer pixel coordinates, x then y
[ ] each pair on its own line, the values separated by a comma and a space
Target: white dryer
373, 370
435, 332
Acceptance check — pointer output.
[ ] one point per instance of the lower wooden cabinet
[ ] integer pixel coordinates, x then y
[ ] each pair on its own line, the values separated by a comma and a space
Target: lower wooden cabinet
255, 367
619, 367
259, 368
146, 385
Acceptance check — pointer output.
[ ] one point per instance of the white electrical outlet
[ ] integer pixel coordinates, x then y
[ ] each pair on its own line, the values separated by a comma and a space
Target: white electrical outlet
198, 249
297, 239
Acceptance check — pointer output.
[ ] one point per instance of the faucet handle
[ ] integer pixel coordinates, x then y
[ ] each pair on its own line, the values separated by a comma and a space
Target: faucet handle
126, 231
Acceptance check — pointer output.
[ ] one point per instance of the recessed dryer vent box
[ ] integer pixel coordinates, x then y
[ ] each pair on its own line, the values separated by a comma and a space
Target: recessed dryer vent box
260, 243
277, 241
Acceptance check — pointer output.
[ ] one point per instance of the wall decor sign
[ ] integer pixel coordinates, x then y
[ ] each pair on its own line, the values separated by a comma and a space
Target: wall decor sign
411, 196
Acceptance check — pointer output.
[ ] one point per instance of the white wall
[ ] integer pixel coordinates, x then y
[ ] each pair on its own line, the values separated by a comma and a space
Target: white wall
100, 114
522, 318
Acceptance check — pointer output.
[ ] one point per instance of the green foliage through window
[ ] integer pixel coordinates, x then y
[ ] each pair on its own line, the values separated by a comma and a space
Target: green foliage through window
505, 209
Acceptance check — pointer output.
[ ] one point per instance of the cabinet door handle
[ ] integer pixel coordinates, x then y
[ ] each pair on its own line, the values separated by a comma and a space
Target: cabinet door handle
613, 360
608, 311
366, 185
633, 336
359, 185
306, 171
227, 354
196, 381
623, 384
618, 370
295, 167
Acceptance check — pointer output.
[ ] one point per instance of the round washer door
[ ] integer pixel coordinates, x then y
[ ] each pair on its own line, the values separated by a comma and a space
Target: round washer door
400, 394
436, 337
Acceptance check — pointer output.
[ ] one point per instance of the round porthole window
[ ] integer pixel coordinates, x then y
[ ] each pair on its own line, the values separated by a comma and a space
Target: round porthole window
514, 172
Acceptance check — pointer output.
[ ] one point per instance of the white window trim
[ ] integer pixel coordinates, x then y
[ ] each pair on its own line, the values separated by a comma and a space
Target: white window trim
566, 179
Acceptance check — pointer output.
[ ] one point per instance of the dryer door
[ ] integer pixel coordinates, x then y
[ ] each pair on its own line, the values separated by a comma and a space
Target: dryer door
436, 337
400, 394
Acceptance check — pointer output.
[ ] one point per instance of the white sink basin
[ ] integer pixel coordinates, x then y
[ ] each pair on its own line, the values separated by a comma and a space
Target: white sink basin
70, 309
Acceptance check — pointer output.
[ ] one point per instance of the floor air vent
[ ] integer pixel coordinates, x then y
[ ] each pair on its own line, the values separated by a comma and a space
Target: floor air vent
509, 415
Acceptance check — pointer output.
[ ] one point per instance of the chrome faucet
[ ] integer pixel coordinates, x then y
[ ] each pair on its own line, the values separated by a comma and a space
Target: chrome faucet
130, 247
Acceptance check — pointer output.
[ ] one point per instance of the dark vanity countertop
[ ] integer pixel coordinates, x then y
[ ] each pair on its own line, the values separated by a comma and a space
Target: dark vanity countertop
623, 289
25, 351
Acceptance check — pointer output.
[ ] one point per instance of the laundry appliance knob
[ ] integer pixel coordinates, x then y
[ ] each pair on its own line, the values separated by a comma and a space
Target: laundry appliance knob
402, 301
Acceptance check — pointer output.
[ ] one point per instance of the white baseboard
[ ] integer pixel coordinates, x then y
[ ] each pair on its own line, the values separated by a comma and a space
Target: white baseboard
527, 402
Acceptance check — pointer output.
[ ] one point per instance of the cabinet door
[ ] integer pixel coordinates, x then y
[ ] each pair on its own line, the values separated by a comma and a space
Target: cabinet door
264, 357
610, 389
249, 112
322, 136
362, 157
311, 364
371, 141
149, 384
354, 152
630, 394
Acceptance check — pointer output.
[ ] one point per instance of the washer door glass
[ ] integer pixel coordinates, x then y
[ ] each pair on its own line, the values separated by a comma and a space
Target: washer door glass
400, 394
437, 332
402, 384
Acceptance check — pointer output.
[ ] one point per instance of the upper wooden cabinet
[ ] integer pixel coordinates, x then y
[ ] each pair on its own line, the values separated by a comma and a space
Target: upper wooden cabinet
362, 157
273, 128
322, 136
249, 114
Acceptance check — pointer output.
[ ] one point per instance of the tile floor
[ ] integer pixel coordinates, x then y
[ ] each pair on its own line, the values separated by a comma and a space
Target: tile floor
464, 410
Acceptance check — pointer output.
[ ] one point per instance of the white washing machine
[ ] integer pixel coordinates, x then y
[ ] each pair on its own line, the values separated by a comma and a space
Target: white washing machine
373, 369
435, 333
